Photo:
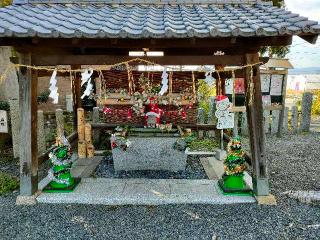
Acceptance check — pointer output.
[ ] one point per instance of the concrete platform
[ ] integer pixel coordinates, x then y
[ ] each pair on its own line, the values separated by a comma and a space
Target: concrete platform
144, 192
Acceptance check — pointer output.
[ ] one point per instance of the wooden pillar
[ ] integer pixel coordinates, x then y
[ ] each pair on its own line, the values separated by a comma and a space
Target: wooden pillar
256, 129
282, 112
28, 127
76, 94
220, 82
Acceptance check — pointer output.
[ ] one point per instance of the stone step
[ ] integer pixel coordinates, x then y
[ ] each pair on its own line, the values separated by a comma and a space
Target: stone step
107, 191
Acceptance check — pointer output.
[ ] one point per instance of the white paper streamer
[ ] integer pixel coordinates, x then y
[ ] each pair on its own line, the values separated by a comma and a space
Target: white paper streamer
86, 78
164, 82
54, 95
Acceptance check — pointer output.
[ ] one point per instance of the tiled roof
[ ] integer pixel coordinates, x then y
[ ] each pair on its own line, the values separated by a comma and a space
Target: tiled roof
150, 21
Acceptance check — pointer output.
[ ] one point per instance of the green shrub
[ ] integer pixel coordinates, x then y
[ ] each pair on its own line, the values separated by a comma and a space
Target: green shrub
4, 105
316, 103
7, 183
43, 97
206, 144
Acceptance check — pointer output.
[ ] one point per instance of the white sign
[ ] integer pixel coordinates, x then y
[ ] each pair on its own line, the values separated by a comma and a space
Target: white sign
3, 122
225, 118
229, 86
265, 82
276, 85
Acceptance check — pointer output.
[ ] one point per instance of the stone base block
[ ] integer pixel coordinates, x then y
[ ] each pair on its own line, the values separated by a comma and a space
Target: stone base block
221, 154
27, 200
150, 153
266, 200
260, 186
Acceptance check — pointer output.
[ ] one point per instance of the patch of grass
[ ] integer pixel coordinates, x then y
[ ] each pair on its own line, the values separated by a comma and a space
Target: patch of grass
7, 183
206, 144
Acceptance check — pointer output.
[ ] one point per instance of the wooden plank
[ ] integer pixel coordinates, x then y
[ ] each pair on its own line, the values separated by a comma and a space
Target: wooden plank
226, 42
57, 59
192, 126
28, 125
256, 129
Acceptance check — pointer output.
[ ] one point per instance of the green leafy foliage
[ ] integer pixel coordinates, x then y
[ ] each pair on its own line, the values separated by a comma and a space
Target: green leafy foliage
4, 105
204, 93
7, 183
316, 103
43, 97
4, 3
205, 144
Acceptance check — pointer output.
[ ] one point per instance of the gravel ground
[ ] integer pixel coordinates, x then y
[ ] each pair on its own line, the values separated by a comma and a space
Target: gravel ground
293, 165
194, 170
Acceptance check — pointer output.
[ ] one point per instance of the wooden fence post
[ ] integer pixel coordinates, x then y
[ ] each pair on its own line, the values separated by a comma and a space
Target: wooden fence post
306, 112
28, 131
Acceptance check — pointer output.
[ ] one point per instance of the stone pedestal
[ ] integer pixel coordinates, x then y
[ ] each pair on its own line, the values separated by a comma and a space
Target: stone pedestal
244, 125
294, 119
15, 125
221, 154
150, 153
41, 137
275, 121
306, 112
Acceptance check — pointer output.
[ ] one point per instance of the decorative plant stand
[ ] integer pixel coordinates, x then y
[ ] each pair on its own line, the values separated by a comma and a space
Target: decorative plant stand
149, 150
232, 181
234, 185
61, 180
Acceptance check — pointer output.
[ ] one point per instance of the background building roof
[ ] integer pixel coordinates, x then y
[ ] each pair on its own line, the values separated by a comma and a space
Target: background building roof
150, 20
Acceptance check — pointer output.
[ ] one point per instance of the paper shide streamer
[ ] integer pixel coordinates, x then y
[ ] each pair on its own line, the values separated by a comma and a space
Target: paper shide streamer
86, 78
54, 95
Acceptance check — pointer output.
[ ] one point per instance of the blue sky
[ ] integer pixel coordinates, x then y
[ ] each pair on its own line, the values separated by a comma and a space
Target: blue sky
302, 53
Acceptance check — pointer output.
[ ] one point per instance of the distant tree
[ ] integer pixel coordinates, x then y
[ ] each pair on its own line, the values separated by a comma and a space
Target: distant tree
281, 51
4, 3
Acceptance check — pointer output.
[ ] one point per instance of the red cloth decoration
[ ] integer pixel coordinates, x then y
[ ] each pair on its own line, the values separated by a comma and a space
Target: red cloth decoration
129, 114
107, 110
221, 97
